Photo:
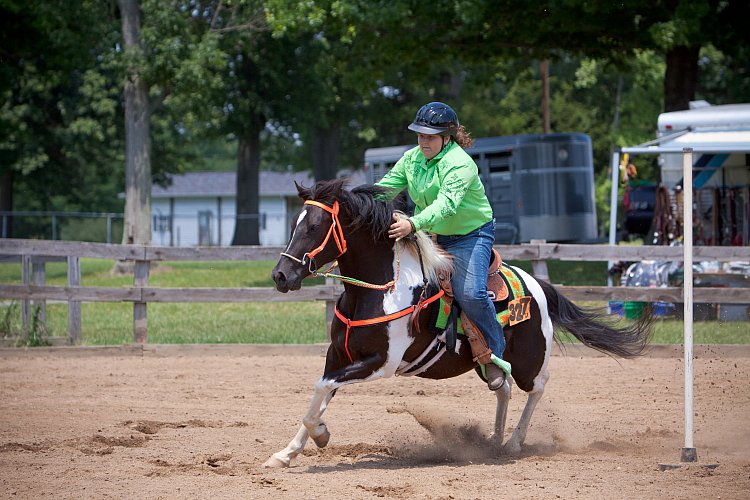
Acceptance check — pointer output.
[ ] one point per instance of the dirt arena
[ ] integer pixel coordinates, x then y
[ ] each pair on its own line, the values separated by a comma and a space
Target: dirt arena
198, 422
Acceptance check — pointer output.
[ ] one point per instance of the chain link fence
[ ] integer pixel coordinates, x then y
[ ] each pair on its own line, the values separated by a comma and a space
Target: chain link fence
202, 228
73, 226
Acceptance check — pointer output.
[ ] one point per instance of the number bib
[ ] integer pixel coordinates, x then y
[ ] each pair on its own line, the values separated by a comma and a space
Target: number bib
519, 310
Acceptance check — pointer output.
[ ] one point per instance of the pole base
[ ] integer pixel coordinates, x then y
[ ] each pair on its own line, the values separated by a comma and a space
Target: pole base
689, 455
685, 465
688, 458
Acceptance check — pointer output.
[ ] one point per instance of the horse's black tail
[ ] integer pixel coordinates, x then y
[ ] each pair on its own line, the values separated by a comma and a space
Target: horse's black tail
593, 328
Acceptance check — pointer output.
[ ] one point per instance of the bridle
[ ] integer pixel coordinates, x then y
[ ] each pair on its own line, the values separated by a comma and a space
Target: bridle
335, 230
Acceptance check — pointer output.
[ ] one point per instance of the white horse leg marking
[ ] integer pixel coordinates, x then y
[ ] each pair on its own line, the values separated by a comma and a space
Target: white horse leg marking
312, 421
284, 457
501, 412
519, 434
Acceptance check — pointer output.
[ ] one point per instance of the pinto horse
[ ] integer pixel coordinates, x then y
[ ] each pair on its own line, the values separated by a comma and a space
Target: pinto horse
381, 326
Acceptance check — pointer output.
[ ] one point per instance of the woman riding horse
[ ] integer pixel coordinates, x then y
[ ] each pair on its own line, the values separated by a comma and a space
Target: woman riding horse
443, 182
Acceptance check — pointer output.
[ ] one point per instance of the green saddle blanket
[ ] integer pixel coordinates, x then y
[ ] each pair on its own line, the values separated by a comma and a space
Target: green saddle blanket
508, 310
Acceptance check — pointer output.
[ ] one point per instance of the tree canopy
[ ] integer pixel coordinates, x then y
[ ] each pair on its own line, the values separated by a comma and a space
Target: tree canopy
274, 83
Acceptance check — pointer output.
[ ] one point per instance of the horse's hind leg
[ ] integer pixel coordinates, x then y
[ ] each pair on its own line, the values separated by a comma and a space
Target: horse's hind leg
284, 457
501, 412
519, 434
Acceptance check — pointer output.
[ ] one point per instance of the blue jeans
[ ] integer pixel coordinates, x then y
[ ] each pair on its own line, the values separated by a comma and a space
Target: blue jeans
471, 262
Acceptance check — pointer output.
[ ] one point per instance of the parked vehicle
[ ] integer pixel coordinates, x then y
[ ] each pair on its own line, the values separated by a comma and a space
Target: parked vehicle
638, 203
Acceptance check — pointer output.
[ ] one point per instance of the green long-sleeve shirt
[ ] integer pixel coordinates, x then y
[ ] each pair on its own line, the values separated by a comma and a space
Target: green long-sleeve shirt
446, 190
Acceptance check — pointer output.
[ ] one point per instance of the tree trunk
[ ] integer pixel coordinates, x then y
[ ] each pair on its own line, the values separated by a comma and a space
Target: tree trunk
680, 77
325, 152
247, 222
6, 203
137, 228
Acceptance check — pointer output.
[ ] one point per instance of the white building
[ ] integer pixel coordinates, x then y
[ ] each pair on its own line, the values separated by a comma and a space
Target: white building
199, 208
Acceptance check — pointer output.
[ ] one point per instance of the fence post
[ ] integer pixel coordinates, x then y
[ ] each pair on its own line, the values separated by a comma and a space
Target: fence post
26, 280
37, 272
140, 318
74, 306
540, 266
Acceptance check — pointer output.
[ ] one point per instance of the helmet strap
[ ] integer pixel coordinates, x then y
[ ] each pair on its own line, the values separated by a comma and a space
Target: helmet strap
443, 143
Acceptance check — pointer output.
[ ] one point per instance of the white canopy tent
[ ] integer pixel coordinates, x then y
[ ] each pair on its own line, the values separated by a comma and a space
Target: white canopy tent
720, 146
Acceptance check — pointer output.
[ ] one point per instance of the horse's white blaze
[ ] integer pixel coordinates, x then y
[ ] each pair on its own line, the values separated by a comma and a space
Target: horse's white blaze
299, 220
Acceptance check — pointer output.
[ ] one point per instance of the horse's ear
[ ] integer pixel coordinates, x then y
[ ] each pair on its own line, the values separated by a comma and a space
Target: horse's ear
303, 192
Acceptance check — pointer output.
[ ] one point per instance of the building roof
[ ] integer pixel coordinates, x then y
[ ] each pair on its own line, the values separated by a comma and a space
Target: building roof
200, 184
215, 184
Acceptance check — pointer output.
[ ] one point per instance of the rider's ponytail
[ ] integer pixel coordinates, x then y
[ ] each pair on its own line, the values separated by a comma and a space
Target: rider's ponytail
463, 138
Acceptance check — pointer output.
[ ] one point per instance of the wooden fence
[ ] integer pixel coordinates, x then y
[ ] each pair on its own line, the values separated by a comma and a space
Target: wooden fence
33, 254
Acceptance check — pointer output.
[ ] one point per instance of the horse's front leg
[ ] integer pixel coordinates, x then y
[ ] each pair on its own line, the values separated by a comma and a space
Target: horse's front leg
284, 457
313, 425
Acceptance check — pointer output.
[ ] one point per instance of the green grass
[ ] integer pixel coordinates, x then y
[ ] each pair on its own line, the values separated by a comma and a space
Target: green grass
261, 322
202, 323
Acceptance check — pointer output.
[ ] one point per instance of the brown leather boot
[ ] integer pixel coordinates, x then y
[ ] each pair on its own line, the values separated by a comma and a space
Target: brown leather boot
495, 376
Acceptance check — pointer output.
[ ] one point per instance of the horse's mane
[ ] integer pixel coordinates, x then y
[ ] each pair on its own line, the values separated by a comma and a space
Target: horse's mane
370, 210
366, 205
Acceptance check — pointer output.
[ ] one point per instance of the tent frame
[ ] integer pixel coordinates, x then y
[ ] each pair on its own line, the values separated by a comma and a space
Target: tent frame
688, 452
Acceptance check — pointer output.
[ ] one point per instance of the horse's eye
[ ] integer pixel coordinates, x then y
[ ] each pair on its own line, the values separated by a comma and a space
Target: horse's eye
312, 228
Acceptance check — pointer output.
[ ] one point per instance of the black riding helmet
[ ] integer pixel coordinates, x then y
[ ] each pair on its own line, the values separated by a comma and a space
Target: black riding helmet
435, 118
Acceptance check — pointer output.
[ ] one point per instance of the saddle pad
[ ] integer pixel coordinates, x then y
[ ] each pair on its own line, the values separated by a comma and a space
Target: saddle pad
509, 312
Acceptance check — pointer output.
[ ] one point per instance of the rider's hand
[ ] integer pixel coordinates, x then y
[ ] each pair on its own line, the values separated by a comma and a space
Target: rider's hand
400, 228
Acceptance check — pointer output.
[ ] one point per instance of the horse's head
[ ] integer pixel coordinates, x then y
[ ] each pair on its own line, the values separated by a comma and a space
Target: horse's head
332, 220
317, 235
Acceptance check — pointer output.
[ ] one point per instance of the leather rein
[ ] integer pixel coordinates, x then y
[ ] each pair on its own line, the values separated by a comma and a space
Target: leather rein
338, 236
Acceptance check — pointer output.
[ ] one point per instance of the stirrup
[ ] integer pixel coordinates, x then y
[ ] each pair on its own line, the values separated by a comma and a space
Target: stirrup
502, 364
495, 383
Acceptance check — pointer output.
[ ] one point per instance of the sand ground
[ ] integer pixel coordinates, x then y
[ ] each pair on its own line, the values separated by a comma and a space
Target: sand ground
198, 422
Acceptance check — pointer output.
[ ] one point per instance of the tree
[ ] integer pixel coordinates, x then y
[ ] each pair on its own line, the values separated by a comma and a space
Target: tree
173, 61
267, 88
55, 117
137, 132
691, 26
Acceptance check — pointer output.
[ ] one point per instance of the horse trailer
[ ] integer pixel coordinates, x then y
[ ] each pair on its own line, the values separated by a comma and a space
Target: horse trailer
540, 186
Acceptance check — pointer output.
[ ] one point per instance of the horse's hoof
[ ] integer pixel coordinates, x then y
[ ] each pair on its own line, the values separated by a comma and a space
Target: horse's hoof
512, 448
322, 440
496, 440
275, 463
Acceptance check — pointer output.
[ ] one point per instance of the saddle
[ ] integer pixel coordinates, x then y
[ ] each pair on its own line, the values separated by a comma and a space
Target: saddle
496, 289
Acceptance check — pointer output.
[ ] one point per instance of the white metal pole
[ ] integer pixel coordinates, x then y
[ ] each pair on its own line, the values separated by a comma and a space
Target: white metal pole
613, 208
688, 452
